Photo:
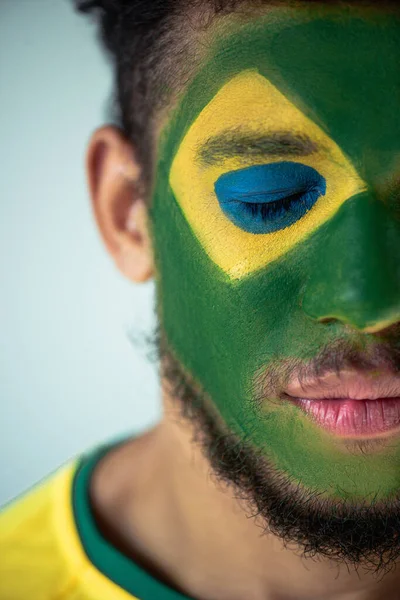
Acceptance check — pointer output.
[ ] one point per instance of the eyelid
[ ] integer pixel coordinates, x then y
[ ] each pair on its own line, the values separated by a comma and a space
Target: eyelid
255, 201
262, 180
266, 196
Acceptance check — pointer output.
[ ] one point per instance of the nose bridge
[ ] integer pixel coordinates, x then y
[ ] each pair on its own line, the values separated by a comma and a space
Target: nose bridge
355, 277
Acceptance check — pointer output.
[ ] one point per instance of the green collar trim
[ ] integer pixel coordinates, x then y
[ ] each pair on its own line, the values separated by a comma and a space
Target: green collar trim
103, 555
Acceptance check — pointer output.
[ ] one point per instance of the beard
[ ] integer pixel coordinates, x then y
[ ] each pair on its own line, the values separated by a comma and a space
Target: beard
358, 534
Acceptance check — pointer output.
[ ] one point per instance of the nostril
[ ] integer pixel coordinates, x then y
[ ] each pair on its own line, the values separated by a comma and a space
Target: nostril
327, 320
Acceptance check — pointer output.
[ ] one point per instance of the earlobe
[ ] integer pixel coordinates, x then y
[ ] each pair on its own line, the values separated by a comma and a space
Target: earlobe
118, 204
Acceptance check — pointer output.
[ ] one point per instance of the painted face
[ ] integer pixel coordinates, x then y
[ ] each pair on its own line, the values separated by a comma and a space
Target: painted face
275, 209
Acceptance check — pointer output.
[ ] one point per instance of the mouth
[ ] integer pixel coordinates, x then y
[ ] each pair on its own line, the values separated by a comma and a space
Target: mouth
350, 405
353, 418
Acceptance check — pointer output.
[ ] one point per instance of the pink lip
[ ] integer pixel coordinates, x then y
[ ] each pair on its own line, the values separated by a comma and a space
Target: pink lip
353, 418
350, 404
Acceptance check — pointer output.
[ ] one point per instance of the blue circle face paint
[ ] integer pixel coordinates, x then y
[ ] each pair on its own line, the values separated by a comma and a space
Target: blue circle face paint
267, 198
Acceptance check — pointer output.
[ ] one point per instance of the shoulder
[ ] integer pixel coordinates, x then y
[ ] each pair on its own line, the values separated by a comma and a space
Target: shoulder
33, 561
42, 554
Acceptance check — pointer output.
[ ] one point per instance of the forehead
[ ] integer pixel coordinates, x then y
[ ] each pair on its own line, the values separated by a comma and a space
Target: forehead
339, 66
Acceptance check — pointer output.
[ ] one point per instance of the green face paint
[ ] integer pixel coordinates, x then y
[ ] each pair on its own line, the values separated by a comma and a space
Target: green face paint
233, 305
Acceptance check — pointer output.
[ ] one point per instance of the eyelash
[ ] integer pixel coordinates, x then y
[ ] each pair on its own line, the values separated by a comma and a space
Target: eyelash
268, 210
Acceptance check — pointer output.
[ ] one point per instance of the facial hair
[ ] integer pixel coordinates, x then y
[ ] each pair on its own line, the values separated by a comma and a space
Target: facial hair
362, 534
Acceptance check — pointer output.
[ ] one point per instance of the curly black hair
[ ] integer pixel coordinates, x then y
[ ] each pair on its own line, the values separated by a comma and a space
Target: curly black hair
151, 53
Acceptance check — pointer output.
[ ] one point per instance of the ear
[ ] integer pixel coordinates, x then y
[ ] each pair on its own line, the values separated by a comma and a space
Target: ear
118, 203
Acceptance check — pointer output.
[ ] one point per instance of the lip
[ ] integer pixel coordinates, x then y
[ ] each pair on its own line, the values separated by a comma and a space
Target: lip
350, 404
353, 418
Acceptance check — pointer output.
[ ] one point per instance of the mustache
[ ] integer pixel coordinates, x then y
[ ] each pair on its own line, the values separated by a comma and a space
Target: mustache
335, 357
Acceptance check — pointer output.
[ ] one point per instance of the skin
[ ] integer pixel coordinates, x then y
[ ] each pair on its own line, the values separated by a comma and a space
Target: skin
271, 293
259, 299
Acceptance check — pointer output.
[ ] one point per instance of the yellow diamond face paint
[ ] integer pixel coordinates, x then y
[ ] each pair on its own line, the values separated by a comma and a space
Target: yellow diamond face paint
251, 104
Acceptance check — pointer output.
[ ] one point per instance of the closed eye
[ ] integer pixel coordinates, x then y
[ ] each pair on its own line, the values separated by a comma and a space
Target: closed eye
267, 198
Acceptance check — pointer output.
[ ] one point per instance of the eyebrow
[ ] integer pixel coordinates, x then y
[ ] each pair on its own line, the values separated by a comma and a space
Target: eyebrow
230, 144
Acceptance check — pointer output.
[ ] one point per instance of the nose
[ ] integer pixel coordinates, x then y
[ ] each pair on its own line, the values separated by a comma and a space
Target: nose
356, 275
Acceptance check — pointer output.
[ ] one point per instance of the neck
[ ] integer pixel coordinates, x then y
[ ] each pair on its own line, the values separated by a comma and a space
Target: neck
154, 497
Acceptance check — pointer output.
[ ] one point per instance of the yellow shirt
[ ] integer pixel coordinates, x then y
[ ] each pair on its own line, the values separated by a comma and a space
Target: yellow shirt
51, 549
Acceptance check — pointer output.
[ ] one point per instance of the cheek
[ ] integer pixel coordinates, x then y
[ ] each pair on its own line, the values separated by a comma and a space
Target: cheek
225, 331
222, 331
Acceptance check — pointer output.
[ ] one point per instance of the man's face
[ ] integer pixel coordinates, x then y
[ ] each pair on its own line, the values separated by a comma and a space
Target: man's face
276, 228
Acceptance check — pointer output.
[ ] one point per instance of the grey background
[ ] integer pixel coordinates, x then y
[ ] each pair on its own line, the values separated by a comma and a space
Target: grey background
69, 376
